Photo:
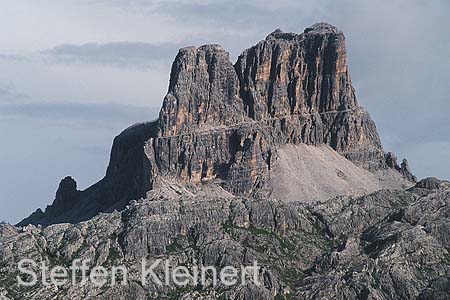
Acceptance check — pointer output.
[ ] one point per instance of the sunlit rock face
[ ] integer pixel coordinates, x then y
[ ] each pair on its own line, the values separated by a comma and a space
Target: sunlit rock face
203, 91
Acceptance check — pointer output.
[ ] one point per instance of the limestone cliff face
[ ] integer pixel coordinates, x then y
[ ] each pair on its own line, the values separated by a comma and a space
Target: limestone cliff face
224, 123
203, 91
303, 79
290, 73
220, 121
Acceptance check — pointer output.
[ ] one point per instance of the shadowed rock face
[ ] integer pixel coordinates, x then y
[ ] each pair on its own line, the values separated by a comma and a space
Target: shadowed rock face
224, 123
128, 177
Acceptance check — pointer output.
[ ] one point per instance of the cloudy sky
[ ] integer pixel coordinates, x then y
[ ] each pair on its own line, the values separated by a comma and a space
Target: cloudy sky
76, 72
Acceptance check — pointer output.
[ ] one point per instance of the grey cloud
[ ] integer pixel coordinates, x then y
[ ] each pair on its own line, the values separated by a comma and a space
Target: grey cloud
120, 54
234, 24
101, 112
16, 57
9, 94
135, 55
258, 16
14, 104
226, 17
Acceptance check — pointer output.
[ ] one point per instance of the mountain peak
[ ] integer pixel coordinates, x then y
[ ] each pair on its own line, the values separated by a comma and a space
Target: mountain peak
318, 28
233, 125
321, 28
203, 89
278, 34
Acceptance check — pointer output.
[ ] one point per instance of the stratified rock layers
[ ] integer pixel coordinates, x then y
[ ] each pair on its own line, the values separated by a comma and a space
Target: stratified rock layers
224, 123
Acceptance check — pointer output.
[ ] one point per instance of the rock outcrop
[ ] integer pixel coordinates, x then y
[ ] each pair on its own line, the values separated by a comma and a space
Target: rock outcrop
203, 92
128, 177
403, 168
385, 245
224, 124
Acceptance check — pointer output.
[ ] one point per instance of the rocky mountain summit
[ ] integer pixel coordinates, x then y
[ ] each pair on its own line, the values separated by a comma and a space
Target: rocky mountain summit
226, 124
270, 159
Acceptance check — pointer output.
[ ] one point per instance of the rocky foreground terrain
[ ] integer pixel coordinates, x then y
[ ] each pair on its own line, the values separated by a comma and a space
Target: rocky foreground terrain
385, 245
270, 159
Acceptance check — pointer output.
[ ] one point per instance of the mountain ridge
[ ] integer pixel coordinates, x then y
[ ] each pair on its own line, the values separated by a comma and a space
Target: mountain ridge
224, 122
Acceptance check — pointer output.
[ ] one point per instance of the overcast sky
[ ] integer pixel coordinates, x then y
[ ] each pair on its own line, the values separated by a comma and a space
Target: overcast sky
76, 72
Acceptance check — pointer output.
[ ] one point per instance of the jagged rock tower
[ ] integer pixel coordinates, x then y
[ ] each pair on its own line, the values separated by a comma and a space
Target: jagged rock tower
237, 125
